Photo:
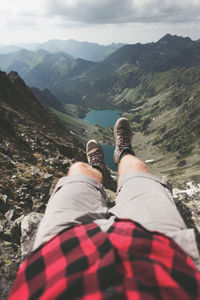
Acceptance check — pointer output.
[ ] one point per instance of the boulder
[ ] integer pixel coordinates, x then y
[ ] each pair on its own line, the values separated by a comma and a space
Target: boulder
29, 225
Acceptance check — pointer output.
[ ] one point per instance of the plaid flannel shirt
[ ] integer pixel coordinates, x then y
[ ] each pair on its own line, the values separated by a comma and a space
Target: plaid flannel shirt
127, 262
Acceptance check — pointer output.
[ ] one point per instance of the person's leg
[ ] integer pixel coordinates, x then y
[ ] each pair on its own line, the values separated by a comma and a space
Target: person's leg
130, 163
78, 198
81, 168
140, 195
144, 198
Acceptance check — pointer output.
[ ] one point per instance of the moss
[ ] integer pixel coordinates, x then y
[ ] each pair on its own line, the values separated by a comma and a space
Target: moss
6, 261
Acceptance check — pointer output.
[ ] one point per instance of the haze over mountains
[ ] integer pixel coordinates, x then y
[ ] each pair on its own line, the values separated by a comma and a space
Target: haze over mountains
75, 49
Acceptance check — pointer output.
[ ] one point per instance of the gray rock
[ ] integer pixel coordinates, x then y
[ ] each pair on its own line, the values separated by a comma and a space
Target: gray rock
19, 220
33, 171
48, 176
110, 197
66, 163
3, 198
2, 226
38, 204
29, 226
3, 203
11, 232
9, 215
23, 194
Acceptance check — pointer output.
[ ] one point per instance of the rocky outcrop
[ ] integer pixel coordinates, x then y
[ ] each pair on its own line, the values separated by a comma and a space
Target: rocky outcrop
187, 201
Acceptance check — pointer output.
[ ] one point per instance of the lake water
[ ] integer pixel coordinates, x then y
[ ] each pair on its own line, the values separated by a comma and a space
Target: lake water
105, 118
108, 156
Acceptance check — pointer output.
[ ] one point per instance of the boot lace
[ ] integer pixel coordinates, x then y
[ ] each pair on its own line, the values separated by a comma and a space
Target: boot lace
96, 159
124, 140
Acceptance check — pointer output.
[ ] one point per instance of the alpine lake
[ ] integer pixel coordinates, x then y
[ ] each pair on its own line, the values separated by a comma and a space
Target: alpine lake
104, 118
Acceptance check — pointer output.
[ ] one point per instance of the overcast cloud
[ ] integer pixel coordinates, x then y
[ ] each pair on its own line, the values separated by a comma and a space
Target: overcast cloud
125, 11
102, 21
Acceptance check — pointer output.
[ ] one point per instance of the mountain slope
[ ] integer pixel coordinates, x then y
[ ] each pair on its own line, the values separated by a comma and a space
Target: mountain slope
4, 49
54, 73
47, 99
21, 61
35, 150
45, 70
131, 65
169, 52
28, 131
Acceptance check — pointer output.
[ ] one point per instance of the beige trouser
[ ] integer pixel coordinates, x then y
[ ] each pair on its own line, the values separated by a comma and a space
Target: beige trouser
140, 197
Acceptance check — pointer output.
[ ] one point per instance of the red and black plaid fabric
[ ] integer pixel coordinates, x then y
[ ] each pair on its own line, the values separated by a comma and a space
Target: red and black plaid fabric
127, 262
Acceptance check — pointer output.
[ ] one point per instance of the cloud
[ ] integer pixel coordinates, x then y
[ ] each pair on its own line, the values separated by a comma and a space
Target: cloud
124, 11
19, 13
98, 20
100, 11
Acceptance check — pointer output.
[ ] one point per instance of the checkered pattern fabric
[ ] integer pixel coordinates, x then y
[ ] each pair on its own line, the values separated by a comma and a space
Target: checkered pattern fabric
127, 262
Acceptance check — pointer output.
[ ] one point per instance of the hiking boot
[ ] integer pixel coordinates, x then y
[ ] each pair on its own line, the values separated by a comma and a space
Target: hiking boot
95, 155
123, 136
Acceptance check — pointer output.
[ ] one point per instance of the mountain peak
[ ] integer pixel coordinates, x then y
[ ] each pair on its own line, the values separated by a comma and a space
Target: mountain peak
168, 38
15, 78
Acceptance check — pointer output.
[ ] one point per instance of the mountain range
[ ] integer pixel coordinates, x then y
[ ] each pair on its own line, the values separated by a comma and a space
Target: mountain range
156, 85
42, 69
73, 48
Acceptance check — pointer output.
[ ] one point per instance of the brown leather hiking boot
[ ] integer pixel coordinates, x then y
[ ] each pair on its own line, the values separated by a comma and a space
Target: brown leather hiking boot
95, 155
123, 136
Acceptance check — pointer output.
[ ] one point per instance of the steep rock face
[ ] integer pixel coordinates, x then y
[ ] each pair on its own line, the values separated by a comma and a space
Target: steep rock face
48, 99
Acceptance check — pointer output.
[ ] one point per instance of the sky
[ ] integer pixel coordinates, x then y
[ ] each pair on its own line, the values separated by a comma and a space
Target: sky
101, 21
